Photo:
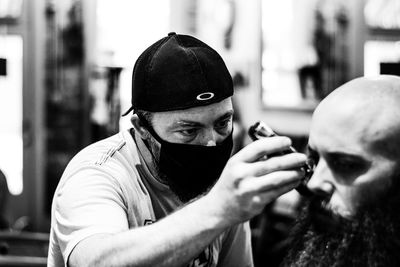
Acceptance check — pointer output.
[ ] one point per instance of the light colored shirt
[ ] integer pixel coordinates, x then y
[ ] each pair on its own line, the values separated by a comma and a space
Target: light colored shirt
108, 188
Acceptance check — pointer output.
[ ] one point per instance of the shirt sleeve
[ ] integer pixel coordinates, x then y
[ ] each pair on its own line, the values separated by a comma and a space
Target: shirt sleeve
236, 248
88, 203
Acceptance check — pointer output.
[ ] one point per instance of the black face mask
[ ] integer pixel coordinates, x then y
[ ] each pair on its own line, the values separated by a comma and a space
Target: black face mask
191, 170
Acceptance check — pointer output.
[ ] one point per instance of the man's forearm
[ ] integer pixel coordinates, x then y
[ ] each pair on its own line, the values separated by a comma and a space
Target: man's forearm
172, 241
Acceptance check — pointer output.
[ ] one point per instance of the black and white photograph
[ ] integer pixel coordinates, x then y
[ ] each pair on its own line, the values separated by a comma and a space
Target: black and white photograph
200, 133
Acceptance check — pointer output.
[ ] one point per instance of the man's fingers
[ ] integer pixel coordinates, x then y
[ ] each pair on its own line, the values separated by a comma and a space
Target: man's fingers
264, 146
285, 162
268, 196
272, 182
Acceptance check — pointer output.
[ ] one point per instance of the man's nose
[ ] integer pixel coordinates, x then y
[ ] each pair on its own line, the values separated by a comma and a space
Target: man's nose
210, 138
321, 182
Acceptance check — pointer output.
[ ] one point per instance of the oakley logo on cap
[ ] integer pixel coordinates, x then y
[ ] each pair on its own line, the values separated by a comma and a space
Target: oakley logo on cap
205, 96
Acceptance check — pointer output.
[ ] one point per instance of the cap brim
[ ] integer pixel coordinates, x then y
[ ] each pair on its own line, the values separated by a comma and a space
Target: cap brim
127, 112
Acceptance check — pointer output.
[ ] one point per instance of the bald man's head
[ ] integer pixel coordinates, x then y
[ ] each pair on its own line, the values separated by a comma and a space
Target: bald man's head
355, 137
381, 87
353, 220
370, 106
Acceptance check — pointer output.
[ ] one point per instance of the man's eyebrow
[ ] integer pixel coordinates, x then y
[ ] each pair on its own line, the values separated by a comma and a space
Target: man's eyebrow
346, 155
227, 115
189, 123
340, 154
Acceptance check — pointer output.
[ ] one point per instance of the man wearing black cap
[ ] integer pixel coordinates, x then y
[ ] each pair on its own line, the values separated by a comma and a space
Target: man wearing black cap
164, 193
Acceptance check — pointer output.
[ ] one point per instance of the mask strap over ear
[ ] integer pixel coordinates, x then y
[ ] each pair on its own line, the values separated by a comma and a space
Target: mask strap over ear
146, 124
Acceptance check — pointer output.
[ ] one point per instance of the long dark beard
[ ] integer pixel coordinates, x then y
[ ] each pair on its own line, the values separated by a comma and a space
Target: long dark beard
372, 238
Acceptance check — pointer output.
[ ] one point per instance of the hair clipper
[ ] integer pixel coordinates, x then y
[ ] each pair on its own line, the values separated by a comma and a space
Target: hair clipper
262, 130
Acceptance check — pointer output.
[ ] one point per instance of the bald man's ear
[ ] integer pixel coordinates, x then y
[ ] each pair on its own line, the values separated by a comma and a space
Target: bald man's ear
139, 127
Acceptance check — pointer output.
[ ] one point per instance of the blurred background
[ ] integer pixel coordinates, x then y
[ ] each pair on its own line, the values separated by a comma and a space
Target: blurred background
65, 77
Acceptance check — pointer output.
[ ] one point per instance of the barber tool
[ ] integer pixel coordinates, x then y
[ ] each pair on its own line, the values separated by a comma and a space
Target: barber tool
262, 130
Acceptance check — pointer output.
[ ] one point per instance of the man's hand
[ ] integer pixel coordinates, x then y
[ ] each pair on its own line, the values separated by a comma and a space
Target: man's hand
247, 183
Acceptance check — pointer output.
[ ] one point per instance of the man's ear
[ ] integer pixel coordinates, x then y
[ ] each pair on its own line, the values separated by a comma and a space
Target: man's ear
139, 127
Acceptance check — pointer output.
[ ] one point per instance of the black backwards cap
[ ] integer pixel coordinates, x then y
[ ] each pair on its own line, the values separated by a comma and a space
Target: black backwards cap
179, 72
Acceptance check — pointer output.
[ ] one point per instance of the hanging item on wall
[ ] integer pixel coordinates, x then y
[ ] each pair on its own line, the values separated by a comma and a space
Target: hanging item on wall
304, 51
381, 57
383, 14
10, 10
3, 67
12, 131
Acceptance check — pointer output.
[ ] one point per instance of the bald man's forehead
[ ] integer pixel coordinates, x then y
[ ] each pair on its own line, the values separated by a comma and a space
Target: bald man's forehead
334, 128
367, 110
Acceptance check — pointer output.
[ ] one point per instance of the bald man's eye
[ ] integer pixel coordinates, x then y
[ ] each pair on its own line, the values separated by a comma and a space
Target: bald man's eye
343, 166
312, 162
347, 168
313, 157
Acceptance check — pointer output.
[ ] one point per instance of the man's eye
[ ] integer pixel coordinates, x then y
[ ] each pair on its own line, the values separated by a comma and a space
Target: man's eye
223, 124
345, 166
188, 132
312, 161
313, 158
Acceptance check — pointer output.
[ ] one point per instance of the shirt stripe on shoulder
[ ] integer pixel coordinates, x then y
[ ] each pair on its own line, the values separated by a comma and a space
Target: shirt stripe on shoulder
110, 152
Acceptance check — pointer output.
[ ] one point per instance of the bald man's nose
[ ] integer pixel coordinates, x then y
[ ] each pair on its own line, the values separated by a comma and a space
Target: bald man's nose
321, 182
